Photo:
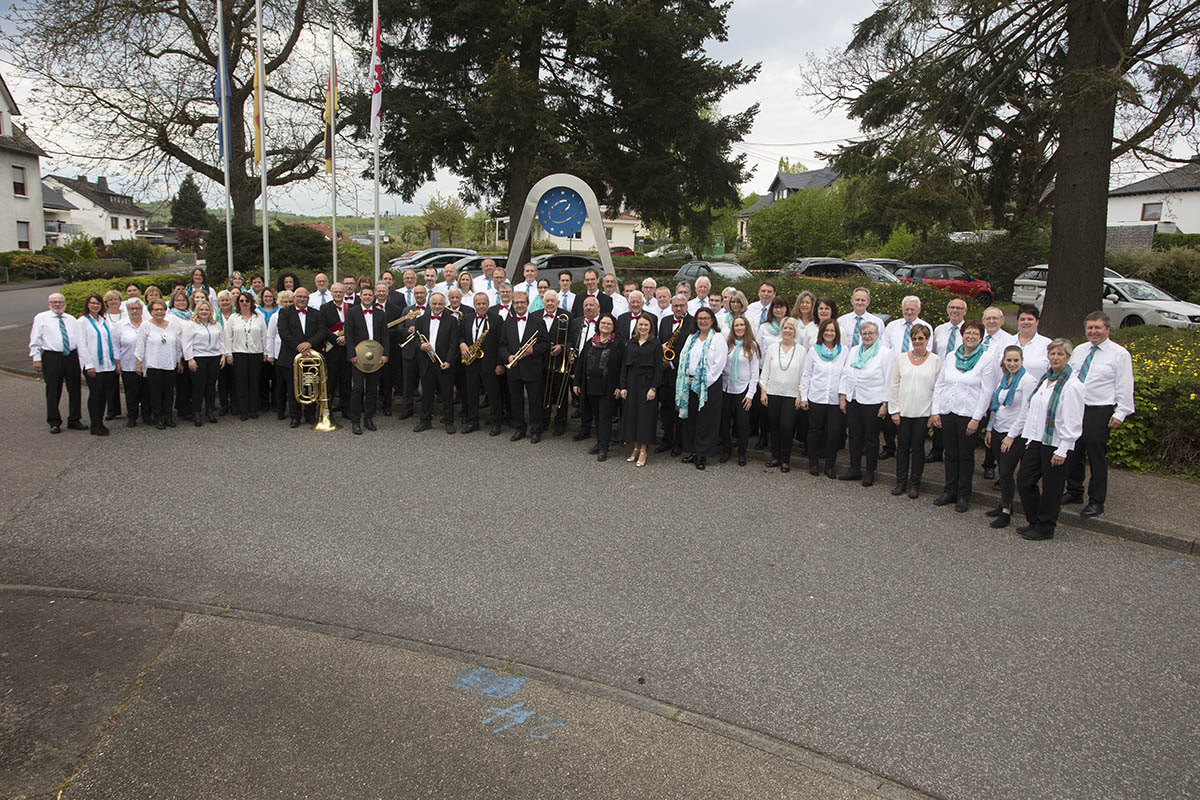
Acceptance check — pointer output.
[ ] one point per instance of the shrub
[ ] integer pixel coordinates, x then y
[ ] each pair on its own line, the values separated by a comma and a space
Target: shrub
100, 268
1176, 270
1166, 241
77, 292
23, 264
62, 253
808, 223
1164, 430
139, 253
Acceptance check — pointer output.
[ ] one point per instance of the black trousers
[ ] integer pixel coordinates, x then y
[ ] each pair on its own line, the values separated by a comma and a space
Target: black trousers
247, 369
700, 427
989, 457
864, 423
600, 408
137, 401
204, 384
667, 415
388, 375
364, 386
114, 397
890, 429
560, 387
959, 457
161, 389
337, 374
436, 381
183, 392
477, 378
101, 387
289, 388
281, 392
910, 449
735, 423
781, 419
227, 390
1092, 445
938, 444
1006, 465
58, 369
412, 379
266, 387
520, 390
824, 433
1041, 504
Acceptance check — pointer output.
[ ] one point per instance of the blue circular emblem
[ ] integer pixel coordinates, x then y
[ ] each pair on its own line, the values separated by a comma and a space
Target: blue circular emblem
562, 212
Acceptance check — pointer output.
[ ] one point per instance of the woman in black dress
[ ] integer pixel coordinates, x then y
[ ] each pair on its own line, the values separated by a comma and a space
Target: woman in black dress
597, 372
641, 372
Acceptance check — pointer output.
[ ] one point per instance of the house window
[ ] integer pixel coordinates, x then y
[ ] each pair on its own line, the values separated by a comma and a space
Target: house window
115, 222
23, 235
18, 181
608, 233
1151, 212
577, 235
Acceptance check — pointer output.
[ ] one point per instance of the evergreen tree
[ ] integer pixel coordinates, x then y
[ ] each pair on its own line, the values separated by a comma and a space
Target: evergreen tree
188, 209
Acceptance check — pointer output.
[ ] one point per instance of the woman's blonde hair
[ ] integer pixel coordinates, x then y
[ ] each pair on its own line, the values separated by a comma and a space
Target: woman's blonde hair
203, 304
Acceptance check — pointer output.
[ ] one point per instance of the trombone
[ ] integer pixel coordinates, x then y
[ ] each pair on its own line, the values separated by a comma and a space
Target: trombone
524, 350
558, 365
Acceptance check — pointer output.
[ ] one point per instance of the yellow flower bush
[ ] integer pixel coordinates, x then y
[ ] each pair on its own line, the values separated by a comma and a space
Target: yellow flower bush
1164, 430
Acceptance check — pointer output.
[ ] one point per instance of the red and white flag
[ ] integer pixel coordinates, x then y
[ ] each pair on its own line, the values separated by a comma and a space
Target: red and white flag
376, 83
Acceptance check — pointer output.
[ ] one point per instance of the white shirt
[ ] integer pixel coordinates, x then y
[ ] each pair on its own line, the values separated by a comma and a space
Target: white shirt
566, 302
911, 390
821, 379
1010, 419
620, 304
47, 335
747, 379
484, 283
1068, 422
872, 383
157, 348
1109, 379
272, 343
125, 340
848, 322
111, 320
503, 311
662, 312
781, 372
718, 354
766, 334
1035, 359
246, 337
493, 296
203, 340
893, 333
318, 299
528, 287
93, 333
406, 293
941, 338
755, 314
694, 304
435, 325
587, 330
478, 327
303, 317
995, 344
521, 322
806, 333
444, 287
966, 394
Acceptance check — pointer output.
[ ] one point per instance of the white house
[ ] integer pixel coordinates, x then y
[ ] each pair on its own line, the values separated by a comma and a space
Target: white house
57, 211
783, 186
101, 211
1169, 197
621, 231
21, 215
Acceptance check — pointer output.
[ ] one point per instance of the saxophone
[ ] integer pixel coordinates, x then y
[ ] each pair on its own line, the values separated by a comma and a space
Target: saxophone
475, 351
668, 349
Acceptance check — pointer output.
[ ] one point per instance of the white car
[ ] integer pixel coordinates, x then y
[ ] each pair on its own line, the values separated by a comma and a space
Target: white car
1029, 283
1131, 302
671, 250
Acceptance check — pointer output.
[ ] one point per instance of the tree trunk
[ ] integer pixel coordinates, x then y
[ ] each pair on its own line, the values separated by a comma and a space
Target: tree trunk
1089, 101
520, 177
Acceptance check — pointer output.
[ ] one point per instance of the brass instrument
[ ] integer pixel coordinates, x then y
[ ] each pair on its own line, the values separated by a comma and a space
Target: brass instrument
475, 351
369, 355
668, 350
416, 312
560, 365
433, 356
311, 386
524, 350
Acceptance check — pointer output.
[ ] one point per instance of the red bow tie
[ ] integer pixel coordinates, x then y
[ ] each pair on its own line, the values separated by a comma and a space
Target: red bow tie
366, 311
504, 308
420, 308
301, 310
520, 319
437, 317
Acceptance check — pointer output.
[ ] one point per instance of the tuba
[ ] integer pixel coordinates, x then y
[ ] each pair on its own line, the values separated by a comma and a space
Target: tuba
308, 372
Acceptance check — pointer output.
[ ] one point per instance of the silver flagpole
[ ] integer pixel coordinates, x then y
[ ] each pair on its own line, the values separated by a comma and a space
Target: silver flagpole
227, 145
331, 99
379, 128
261, 75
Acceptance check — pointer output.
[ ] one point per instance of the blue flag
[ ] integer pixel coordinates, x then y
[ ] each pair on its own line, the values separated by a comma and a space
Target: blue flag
222, 78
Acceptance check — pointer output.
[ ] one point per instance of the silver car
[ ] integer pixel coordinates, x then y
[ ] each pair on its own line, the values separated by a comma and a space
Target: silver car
1033, 280
1130, 302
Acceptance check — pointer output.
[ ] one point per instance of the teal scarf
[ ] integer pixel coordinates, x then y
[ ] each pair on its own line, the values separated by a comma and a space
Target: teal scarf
966, 363
828, 355
733, 354
701, 376
865, 354
1013, 380
1059, 381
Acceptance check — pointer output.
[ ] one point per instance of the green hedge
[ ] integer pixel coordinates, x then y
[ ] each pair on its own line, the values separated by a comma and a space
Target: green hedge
1164, 430
24, 264
90, 270
1166, 241
77, 292
1177, 270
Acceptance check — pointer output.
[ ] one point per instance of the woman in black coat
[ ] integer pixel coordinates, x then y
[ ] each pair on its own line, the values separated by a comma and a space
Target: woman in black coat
597, 373
641, 372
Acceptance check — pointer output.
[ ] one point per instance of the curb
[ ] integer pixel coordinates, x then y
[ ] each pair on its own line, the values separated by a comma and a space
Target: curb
34, 284
811, 759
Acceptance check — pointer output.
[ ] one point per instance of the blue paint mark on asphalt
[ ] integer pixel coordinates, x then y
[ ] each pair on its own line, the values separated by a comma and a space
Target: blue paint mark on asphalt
487, 683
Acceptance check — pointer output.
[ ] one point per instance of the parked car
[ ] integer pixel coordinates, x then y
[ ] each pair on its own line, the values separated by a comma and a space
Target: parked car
550, 264
1033, 280
837, 268
419, 258
890, 264
474, 264
724, 271
951, 278
671, 250
1130, 302
621, 250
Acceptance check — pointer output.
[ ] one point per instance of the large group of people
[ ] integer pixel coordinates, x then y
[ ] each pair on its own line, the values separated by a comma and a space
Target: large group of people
686, 371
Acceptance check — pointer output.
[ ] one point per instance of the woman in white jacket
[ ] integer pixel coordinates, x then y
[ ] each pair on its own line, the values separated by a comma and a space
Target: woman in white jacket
862, 396
960, 399
819, 385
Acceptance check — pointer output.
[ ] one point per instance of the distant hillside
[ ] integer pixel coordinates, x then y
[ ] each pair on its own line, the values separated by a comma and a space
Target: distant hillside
160, 211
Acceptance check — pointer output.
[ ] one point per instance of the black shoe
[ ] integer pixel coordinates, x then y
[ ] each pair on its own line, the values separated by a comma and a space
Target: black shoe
989, 473
404, 414
945, 500
76, 426
662, 448
724, 457
535, 438
814, 469
162, 426
295, 423
56, 428
914, 490
1036, 535
196, 422
387, 411
517, 436
993, 512
422, 426
1024, 529
868, 478
212, 417
579, 437
829, 473
170, 422
701, 462
281, 416
131, 423
356, 428
1002, 521
772, 464
244, 417
559, 430
785, 467
1072, 497
369, 424
495, 431
471, 428
741, 459
603, 456
676, 451
962, 505
1092, 509
690, 458
887, 452
851, 476
450, 427
934, 457
899, 488
109, 417
593, 450
225, 411
101, 431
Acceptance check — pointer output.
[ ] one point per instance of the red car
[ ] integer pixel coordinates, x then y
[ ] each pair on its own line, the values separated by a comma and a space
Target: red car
949, 277
621, 251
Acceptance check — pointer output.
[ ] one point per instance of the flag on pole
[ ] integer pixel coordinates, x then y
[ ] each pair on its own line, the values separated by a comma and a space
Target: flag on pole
258, 142
331, 101
222, 82
376, 82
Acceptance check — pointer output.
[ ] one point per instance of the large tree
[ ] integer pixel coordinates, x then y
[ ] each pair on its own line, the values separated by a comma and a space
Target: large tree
618, 92
132, 82
1033, 100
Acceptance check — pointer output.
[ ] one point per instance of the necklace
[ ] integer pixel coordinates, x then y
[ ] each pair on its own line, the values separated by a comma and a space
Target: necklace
791, 357
916, 359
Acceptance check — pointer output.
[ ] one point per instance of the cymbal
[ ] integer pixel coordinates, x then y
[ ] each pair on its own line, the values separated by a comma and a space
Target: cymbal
369, 354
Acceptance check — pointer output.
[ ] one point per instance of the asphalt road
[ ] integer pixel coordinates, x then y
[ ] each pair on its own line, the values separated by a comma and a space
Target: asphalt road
910, 641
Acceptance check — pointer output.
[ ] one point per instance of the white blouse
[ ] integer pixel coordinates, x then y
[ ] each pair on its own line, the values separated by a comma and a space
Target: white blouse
766, 336
806, 333
822, 379
781, 371
718, 354
271, 343
1010, 419
966, 394
157, 348
97, 345
200, 341
747, 379
1068, 422
911, 393
870, 384
246, 337
125, 340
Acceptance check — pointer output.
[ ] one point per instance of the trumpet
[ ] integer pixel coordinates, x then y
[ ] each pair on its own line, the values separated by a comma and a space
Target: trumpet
311, 386
433, 356
475, 351
525, 350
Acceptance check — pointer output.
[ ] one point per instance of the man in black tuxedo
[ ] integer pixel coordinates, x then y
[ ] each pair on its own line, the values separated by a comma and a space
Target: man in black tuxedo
679, 324
389, 374
526, 378
441, 337
557, 325
483, 372
591, 281
365, 321
407, 348
627, 321
300, 330
337, 365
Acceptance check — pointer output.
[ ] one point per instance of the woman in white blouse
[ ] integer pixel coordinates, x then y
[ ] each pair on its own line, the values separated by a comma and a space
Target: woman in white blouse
960, 399
862, 397
137, 402
275, 367
98, 358
826, 309
804, 311
245, 338
1033, 344
226, 394
1006, 418
205, 351
738, 384
1053, 423
910, 401
819, 386
698, 388
158, 351
783, 364
767, 333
